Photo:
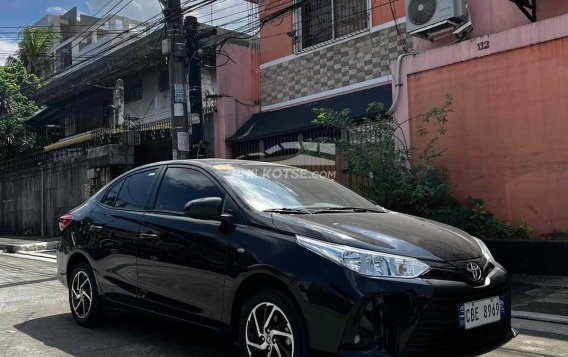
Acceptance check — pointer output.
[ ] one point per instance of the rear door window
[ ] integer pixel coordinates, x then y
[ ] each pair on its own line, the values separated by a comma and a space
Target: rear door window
135, 190
110, 197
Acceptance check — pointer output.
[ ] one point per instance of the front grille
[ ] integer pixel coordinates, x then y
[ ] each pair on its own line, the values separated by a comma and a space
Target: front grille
438, 334
456, 271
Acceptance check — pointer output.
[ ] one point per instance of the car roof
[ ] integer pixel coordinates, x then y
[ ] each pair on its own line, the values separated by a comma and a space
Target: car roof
207, 163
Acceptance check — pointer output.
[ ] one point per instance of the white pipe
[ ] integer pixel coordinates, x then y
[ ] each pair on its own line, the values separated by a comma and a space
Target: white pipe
398, 83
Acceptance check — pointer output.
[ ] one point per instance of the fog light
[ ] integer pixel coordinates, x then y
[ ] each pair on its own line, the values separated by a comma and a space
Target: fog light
356, 339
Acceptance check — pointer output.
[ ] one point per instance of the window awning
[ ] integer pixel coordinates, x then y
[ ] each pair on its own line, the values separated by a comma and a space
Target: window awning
45, 116
300, 117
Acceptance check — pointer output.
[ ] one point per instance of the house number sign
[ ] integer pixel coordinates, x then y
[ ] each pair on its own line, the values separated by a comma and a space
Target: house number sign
483, 45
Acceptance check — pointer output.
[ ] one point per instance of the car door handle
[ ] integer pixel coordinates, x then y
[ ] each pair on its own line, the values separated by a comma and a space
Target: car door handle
149, 236
96, 228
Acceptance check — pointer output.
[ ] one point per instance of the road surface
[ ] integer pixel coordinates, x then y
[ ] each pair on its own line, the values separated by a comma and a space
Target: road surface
35, 321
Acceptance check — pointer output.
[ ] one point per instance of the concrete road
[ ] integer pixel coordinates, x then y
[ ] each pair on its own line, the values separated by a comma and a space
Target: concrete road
35, 321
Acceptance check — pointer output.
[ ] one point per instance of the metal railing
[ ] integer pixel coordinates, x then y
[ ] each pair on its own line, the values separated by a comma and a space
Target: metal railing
136, 134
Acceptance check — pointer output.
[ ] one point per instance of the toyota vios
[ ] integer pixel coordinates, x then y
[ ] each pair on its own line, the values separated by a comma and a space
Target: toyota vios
287, 260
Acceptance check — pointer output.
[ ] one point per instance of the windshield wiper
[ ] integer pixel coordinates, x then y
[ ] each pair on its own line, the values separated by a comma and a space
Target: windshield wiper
286, 210
342, 209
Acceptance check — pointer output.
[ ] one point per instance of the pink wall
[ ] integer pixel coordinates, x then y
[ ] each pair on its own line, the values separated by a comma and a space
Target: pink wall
237, 83
505, 141
492, 16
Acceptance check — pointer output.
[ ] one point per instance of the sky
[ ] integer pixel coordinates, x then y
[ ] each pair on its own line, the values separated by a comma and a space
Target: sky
18, 13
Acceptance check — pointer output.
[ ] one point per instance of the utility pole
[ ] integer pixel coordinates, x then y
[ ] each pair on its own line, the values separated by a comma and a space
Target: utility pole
174, 47
193, 38
118, 103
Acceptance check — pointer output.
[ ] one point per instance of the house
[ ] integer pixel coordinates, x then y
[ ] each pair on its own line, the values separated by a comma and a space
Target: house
81, 34
503, 61
81, 100
323, 54
505, 139
99, 130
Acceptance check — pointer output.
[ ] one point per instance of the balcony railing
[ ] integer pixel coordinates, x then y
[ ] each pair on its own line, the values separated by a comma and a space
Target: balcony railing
78, 146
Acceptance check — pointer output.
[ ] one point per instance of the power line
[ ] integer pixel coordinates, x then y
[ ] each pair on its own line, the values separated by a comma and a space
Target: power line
78, 36
97, 56
68, 69
143, 31
330, 22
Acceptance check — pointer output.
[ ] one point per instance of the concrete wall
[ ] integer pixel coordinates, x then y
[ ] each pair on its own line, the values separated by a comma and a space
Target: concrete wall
506, 140
237, 86
154, 104
65, 186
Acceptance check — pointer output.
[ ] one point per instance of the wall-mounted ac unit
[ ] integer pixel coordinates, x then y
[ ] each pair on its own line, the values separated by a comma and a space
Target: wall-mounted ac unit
434, 19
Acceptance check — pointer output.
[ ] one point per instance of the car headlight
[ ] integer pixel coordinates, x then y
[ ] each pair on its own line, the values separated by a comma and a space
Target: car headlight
484, 250
366, 262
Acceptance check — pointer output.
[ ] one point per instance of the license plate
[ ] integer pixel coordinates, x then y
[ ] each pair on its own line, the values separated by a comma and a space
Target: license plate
481, 312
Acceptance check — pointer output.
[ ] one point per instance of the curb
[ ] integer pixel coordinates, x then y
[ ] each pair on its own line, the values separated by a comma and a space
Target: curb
30, 257
39, 254
30, 247
535, 316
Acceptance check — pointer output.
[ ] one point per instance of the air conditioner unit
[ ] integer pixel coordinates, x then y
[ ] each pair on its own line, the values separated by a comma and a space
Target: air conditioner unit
434, 19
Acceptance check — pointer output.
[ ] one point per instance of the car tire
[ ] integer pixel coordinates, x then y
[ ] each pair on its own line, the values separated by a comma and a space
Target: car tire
84, 300
281, 322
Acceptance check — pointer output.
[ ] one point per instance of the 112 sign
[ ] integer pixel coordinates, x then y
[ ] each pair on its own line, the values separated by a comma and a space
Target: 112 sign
483, 45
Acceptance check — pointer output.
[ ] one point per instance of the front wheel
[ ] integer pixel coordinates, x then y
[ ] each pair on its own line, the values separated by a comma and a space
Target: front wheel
84, 299
271, 326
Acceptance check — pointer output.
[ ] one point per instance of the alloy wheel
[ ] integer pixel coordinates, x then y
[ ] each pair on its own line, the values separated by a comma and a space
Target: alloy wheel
268, 332
82, 294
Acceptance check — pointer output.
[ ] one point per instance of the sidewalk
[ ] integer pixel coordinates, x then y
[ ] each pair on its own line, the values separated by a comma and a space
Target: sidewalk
14, 244
540, 298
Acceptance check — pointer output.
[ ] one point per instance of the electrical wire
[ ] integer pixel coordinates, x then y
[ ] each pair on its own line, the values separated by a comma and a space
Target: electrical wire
97, 55
151, 26
72, 67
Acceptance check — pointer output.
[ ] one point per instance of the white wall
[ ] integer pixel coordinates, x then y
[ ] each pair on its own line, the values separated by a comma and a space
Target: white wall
155, 105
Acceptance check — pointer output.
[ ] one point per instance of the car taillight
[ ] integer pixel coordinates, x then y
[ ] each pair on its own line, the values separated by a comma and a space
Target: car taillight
65, 221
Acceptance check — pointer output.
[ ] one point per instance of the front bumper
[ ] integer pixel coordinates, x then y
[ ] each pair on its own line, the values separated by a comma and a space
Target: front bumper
401, 317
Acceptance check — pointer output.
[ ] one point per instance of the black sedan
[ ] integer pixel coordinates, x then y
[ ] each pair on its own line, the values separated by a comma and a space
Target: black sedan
286, 260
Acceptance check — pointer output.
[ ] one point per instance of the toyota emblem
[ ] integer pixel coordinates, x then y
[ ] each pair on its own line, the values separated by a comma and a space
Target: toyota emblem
474, 271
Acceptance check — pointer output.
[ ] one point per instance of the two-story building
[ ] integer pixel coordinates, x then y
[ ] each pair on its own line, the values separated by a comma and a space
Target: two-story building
503, 61
505, 139
81, 34
323, 53
97, 130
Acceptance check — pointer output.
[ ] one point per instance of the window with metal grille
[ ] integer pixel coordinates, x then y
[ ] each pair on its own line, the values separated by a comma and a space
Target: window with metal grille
320, 21
163, 80
133, 91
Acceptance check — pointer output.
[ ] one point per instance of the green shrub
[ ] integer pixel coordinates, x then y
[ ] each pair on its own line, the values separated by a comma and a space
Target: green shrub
474, 218
376, 150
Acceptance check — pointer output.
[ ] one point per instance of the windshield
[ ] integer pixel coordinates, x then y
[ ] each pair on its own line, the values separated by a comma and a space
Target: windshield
270, 187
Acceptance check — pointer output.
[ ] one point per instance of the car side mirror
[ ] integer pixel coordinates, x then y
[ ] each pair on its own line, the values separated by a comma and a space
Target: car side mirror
208, 208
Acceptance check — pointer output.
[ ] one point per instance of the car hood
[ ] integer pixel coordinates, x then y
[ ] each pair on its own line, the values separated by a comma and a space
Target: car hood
391, 232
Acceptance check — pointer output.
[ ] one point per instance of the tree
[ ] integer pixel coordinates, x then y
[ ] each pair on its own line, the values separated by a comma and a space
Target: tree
35, 50
16, 105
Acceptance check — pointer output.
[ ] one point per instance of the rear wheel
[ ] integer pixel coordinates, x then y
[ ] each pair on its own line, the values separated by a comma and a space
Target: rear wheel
84, 299
271, 326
